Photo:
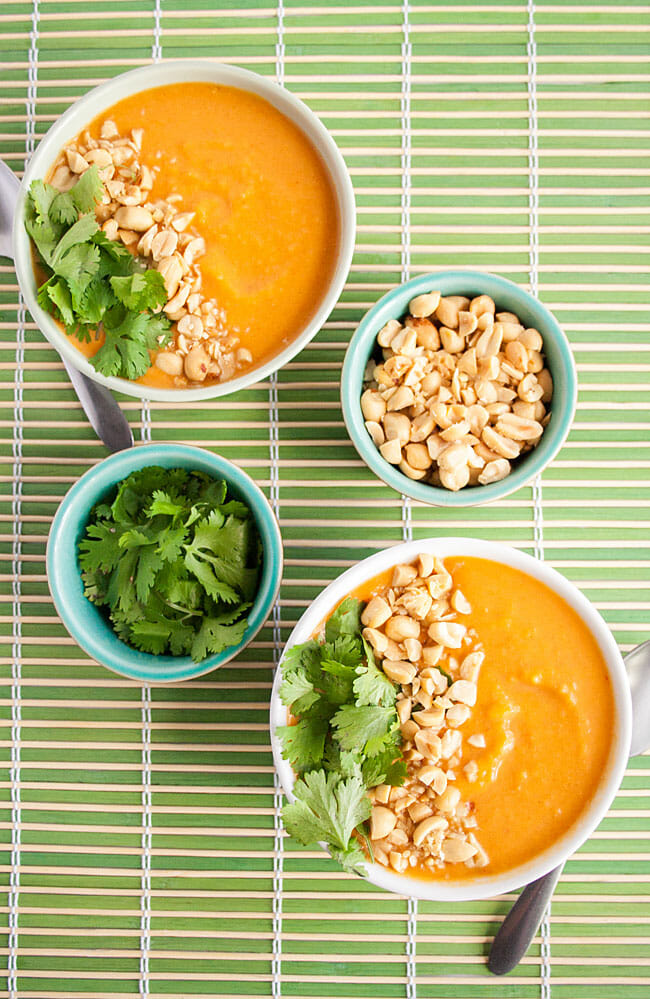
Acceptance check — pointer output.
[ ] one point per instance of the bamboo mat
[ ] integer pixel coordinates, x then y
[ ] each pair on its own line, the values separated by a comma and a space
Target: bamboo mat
142, 852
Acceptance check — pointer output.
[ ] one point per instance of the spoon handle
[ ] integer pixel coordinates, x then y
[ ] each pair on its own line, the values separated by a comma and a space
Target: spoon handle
521, 924
104, 414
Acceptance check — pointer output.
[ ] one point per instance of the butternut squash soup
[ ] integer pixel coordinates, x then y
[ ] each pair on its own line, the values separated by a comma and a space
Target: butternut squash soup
230, 202
506, 714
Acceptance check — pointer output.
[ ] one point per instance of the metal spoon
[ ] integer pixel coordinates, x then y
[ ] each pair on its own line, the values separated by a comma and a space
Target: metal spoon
522, 922
104, 415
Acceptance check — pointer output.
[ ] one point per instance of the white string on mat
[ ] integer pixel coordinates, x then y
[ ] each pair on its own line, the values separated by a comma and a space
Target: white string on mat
145, 875
411, 953
145, 879
533, 265
278, 844
274, 455
156, 56
13, 898
156, 48
405, 220
16, 656
407, 523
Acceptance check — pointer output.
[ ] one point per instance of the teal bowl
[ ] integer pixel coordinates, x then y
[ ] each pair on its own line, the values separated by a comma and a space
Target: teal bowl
86, 623
509, 297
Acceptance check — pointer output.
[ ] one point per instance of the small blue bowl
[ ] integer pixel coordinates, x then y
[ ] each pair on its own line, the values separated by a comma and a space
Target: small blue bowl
86, 623
509, 297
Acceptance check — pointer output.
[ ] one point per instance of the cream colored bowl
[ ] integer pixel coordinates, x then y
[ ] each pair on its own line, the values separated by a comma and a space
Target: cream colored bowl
488, 885
104, 97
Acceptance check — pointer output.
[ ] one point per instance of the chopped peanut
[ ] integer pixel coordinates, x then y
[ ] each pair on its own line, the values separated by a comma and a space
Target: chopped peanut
426, 822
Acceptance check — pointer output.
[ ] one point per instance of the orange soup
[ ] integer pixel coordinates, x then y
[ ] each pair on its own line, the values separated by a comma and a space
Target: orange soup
537, 739
260, 198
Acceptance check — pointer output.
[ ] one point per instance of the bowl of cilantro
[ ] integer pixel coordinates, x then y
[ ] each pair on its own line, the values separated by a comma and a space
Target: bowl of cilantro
164, 562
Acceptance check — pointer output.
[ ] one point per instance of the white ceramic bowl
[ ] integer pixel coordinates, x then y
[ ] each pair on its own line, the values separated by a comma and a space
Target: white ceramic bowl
488, 885
105, 96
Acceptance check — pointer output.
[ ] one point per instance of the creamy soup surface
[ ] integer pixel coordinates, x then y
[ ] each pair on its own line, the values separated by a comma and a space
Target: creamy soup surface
262, 199
544, 707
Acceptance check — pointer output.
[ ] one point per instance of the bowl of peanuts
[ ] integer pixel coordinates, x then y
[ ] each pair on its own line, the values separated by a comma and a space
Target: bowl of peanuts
458, 388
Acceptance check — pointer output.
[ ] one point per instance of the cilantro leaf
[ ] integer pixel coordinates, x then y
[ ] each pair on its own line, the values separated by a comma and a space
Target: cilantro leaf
148, 564
303, 744
55, 292
41, 196
358, 727
346, 649
297, 692
372, 686
216, 635
122, 354
116, 259
306, 657
224, 538
329, 807
139, 291
63, 209
87, 191
66, 206
150, 636
387, 766
92, 302
352, 859
78, 233
206, 576
345, 619
100, 549
163, 504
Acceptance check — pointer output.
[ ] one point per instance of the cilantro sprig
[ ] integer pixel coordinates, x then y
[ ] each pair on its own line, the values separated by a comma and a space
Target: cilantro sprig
346, 738
94, 285
174, 561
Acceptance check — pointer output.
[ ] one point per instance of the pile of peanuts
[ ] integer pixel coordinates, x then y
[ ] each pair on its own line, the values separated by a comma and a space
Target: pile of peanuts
460, 393
414, 627
202, 346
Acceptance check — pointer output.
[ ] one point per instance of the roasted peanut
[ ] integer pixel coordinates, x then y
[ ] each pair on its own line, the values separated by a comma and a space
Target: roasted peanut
376, 612
196, 364
398, 670
382, 822
399, 628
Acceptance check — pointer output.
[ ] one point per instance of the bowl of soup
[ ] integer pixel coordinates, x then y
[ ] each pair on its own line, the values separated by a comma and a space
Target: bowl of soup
226, 187
508, 700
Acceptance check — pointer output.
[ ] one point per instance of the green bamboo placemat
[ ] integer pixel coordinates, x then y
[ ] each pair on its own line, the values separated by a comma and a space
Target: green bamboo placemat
142, 853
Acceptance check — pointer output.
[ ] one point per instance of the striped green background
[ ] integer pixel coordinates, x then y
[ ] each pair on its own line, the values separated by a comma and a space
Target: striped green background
438, 108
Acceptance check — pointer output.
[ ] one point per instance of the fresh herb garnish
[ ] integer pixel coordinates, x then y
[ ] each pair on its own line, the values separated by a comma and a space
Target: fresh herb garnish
175, 562
94, 285
346, 738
